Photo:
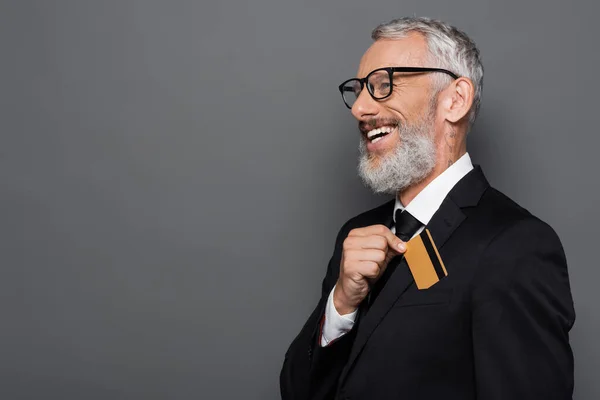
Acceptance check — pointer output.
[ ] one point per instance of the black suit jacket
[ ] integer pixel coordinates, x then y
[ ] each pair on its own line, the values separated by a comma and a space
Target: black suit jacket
495, 328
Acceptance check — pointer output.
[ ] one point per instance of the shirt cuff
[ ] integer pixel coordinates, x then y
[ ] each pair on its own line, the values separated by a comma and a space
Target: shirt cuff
335, 325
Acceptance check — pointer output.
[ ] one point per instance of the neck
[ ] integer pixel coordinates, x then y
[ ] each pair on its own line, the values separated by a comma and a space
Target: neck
407, 195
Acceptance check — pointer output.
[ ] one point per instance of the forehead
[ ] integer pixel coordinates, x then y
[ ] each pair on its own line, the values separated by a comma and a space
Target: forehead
410, 51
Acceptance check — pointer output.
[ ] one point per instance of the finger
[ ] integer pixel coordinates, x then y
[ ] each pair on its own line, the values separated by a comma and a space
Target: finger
374, 255
369, 230
370, 270
366, 242
394, 242
381, 230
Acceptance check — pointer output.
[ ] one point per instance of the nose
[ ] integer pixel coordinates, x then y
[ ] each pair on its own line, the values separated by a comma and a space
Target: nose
365, 106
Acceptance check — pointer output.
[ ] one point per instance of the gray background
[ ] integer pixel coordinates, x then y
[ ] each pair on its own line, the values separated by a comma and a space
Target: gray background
173, 175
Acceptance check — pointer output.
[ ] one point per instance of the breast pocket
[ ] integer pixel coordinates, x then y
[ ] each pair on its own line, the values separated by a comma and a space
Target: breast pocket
426, 297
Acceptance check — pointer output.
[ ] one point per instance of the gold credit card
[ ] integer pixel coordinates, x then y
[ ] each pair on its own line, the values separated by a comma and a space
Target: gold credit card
424, 260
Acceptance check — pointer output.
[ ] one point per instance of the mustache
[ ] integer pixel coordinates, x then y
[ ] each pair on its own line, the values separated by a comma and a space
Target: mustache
374, 123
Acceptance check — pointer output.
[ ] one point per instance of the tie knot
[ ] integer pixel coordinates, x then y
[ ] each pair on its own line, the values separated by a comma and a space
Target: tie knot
406, 225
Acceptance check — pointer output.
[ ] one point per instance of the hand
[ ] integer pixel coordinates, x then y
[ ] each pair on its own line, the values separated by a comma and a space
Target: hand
365, 255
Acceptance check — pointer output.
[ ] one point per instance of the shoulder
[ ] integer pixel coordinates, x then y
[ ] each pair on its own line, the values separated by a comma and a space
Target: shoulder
520, 246
511, 219
501, 210
498, 217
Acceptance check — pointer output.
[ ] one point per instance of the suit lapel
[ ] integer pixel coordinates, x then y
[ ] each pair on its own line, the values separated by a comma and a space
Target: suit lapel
399, 281
466, 193
397, 284
445, 221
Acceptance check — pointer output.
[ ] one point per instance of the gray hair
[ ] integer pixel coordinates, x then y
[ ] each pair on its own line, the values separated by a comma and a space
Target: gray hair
449, 48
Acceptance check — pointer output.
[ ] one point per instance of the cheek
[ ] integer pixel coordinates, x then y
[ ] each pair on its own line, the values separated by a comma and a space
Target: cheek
408, 108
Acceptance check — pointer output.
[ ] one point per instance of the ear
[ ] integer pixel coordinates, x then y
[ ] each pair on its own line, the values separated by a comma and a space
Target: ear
458, 99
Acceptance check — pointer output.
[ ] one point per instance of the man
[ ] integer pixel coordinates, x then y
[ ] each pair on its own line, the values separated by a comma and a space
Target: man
495, 324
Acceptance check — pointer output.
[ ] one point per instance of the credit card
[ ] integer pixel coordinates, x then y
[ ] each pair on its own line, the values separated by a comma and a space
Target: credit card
424, 260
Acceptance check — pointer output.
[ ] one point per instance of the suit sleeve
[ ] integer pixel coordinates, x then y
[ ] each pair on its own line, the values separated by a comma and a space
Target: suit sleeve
522, 311
310, 371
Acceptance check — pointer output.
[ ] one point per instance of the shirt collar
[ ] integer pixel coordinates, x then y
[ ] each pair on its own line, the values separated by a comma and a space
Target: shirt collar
427, 202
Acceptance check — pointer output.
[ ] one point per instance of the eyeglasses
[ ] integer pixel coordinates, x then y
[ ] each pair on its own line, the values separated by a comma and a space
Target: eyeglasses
379, 82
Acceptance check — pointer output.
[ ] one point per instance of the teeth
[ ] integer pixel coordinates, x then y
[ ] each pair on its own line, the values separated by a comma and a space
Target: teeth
385, 129
373, 133
377, 139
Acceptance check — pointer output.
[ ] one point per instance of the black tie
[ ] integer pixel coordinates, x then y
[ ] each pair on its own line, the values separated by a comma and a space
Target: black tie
406, 226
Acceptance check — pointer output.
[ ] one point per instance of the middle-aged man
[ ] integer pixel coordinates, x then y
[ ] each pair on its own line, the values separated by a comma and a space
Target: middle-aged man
496, 324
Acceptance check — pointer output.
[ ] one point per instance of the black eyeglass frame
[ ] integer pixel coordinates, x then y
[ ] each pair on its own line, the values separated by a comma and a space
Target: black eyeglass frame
390, 71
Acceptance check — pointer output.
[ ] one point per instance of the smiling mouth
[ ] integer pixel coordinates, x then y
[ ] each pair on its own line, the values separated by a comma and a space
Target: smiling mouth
376, 135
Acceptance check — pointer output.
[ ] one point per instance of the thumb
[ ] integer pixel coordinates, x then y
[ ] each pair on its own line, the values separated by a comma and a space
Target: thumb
395, 243
400, 246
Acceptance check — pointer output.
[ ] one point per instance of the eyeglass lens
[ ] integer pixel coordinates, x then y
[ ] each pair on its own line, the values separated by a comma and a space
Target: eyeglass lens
378, 84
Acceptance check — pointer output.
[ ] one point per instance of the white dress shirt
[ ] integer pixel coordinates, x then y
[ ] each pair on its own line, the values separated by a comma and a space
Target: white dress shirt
422, 207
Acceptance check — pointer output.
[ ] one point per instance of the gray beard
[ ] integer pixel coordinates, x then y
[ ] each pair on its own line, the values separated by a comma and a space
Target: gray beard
411, 161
